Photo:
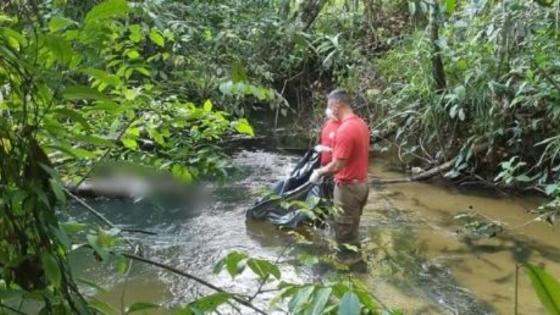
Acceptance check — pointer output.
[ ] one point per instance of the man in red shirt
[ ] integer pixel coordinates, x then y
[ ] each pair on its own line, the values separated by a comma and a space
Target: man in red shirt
327, 139
350, 168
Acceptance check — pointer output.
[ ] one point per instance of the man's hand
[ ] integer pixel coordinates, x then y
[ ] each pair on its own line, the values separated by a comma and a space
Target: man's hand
315, 177
322, 148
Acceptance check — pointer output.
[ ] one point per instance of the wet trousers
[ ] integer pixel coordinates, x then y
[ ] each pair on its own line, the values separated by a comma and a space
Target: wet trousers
350, 198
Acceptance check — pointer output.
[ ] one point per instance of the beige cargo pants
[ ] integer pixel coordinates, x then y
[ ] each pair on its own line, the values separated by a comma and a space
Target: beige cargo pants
351, 199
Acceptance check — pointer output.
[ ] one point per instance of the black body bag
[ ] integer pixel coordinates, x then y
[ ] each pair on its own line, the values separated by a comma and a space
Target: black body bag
272, 207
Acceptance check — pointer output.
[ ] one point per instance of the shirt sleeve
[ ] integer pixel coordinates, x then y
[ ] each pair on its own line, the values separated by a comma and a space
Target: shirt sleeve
343, 145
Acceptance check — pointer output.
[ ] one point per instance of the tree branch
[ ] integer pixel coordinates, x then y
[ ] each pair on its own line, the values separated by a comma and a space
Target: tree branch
194, 278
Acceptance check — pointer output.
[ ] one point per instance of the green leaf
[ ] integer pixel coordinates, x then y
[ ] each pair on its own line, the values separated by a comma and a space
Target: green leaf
58, 190
181, 173
6, 19
91, 284
300, 299
263, 268
98, 246
141, 306
207, 106
81, 92
58, 23
78, 153
74, 115
106, 9
243, 126
364, 295
450, 6
60, 48
62, 237
235, 263
133, 54
51, 268
349, 304
238, 73
546, 287
157, 38
73, 227
320, 300
15, 39
460, 92
130, 143
122, 264
211, 302
136, 33
103, 76
103, 307
91, 139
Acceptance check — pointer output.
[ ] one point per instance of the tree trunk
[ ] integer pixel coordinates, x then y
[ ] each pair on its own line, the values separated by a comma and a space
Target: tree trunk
284, 11
309, 12
438, 71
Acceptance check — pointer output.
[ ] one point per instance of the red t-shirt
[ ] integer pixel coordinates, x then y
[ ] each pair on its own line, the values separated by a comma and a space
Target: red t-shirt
327, 138
352, 144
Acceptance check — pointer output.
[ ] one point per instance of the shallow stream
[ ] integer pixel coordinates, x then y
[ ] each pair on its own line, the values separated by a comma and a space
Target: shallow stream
420, 265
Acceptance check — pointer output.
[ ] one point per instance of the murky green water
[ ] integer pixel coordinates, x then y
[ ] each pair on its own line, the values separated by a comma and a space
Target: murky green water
420, 265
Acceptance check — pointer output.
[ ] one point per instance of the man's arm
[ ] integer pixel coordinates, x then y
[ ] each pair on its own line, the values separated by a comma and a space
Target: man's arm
332, 168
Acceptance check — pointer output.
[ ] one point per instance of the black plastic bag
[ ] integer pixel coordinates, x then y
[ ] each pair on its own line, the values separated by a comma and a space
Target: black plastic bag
296, 187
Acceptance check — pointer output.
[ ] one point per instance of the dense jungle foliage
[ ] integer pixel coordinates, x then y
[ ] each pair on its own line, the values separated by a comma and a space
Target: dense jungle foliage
163, 84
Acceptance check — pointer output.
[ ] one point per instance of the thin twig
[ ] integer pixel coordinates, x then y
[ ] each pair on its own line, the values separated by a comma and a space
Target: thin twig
98, 215
194, 278
133, 230
544, 215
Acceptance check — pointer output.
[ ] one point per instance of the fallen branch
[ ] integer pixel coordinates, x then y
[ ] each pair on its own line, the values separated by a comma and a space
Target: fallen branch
422, 176
194, 278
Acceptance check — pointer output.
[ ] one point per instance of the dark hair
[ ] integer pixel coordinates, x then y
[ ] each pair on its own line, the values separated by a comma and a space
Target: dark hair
340, 96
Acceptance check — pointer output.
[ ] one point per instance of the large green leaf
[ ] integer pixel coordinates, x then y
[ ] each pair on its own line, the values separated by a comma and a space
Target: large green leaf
235, 263
157, 38
60, 48
103, 76
81, 92
320, 300
58, 23
140, 306
73, 115
364, 295
206, 304
243, 126
14, 38
238, 73
300, 299
450, 6
51, 268
349, 304
207, 106
546, 287
136, 33
107, 9
263, 268
103, 307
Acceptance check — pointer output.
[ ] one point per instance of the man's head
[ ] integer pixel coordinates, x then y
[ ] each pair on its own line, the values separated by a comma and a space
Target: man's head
338, 104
